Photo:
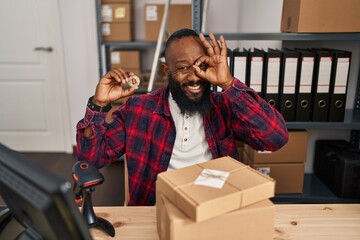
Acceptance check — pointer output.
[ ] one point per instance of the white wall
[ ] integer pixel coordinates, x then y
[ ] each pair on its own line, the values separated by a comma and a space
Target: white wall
78, 24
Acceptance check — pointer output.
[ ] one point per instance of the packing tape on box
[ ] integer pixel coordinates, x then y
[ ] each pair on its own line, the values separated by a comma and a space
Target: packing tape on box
212, 178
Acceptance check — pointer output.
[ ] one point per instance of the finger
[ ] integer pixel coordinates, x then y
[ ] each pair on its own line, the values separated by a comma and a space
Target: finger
199, 72
209, 48
129, 92
202, 59
215, 43
123, 75
115, 74
223, 46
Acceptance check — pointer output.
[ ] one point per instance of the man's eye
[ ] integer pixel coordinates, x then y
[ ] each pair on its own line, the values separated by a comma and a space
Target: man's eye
185, 68
203, 66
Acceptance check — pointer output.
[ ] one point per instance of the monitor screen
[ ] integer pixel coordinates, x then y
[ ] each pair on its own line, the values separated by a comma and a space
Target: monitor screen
40, 201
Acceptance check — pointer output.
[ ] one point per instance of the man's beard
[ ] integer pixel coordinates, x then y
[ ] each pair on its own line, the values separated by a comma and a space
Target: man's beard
187, 105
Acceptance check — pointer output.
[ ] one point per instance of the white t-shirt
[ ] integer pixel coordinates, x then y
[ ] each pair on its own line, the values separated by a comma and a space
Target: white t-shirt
190, 146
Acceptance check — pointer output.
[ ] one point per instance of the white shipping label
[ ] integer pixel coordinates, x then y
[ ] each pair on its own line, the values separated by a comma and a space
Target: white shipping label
105, 29
264, 152
120, 13
151, 13
106, 13
212, 178
341, 76
273, 75
240, 68
323, 83
306, 75
115, 58
264, 170
256, 73
290, 75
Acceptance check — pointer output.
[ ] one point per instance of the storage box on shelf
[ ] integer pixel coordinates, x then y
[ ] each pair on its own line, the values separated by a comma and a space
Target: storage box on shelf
179, 17
126, 59
116, 21
320, 16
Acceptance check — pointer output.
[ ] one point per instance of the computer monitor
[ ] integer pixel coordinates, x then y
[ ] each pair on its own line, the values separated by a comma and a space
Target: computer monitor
40, 201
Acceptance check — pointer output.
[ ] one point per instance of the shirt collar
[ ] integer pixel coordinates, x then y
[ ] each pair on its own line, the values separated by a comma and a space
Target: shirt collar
162, 106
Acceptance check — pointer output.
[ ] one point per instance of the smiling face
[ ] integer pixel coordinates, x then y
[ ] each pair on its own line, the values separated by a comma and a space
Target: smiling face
190, 92
180, 56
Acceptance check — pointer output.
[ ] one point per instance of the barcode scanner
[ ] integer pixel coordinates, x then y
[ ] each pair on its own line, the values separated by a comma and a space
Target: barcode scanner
86, 177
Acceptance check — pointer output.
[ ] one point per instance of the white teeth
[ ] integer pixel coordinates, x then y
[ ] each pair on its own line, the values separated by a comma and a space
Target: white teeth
194, 87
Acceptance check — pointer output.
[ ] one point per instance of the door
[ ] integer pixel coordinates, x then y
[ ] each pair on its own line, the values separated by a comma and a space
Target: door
33, 101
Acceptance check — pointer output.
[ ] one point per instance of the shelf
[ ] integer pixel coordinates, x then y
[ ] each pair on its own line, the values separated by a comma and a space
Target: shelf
349, 123
290, 36
314, 191
130, 45
324, 125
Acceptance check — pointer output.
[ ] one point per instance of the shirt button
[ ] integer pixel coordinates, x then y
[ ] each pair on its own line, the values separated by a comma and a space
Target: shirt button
185, 128
185, 139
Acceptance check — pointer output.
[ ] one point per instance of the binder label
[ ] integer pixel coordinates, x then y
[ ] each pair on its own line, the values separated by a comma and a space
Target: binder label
290, 75
240, 68
323, 84
256, 73
307, 68
341, 76
273, 76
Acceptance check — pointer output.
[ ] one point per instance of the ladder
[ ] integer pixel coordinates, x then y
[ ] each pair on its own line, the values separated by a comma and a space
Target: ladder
199, 15
159, 46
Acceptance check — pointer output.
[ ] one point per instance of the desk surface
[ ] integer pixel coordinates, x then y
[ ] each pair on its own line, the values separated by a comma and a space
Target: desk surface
292, 221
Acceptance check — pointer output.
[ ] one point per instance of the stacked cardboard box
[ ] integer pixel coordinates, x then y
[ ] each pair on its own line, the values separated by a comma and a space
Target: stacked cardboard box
286, 165
129, 60
320, 16
116, 17
219, 199
179, 17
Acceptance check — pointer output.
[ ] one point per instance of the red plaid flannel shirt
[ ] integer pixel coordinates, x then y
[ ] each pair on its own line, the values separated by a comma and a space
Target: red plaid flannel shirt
143, 129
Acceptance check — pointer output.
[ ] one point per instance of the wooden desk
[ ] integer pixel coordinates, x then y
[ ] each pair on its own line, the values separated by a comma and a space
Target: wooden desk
295, 221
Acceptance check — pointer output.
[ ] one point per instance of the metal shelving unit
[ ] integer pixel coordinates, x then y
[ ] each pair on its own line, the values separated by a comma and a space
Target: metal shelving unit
314, 190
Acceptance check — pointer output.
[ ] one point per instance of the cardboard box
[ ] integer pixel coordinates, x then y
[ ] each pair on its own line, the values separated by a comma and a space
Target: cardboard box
120, 12
242, 187
294, 151
125, 59
116, 32
255, 222
320, 16
289, 177
180, 16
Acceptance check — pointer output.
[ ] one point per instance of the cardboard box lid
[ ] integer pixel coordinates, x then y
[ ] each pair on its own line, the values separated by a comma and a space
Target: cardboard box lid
243, 187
